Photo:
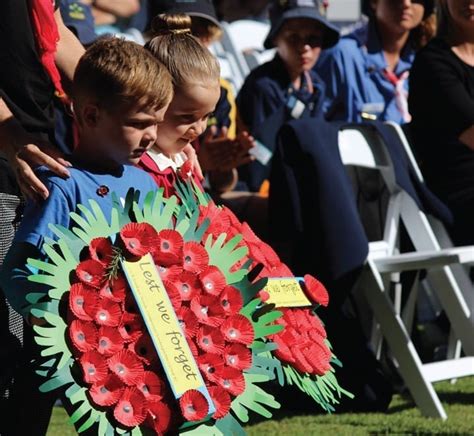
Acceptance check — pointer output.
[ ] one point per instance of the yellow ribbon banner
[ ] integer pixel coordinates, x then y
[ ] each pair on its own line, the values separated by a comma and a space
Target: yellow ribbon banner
286, 292
164, 328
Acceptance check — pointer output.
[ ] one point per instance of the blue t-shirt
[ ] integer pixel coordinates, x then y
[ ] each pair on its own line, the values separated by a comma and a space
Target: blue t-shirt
353, 71
64, 195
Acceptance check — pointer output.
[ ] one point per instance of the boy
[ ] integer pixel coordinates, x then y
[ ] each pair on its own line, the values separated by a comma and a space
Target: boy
120, 95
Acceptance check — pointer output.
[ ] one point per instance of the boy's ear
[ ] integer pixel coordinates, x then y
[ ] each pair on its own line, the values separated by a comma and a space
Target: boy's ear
90, 115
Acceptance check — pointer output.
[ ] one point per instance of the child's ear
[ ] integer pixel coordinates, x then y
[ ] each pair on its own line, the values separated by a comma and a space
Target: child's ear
90, 115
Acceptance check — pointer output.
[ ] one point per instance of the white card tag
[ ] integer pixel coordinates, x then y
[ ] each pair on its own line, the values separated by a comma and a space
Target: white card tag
261, 153
298, 109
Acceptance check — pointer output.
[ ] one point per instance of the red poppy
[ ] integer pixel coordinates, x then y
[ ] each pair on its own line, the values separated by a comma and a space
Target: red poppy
127, 366
188, 321
186, 170
209, 364
83, 335
232, 380
315, 290
188, 285
107, 392
256, 253
249, 235
210, 340
169, 273
238, 356
239, 329
131, 409
145, 350
131, 327
152, 387
263, 295
319, 355
115, 289
110, 341
231, 300
94, 367
139, 238
301, 363
280, 270
108, 313
212, 280
173, 294
208, 310
169, 248
221, 399
159, 417
130, 304
194, 405
283, 352
101, 249
91, 273
81, 298
195, 257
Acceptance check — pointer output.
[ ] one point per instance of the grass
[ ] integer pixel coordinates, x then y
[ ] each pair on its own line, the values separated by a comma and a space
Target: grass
402, 418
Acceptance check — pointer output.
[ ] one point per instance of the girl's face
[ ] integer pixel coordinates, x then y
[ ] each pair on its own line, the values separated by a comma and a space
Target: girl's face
461, 13
398, 16
299, 44
186, 117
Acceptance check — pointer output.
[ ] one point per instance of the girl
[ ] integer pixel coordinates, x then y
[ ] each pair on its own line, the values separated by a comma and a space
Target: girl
366, 73
196, 82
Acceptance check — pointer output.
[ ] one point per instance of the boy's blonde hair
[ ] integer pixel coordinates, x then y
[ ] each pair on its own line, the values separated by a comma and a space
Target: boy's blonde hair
185, 57
119, 74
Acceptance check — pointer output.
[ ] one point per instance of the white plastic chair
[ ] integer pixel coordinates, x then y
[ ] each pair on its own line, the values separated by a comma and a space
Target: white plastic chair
361, 146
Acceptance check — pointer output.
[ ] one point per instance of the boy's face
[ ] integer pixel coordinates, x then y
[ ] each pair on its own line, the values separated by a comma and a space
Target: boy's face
122, 136
186, 117
299, 44
398, 16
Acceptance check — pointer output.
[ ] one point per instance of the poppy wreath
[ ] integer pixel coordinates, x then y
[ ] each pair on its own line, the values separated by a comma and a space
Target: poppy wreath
98, 352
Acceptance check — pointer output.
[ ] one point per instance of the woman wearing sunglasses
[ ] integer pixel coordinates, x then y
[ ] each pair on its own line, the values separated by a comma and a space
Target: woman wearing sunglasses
366, 74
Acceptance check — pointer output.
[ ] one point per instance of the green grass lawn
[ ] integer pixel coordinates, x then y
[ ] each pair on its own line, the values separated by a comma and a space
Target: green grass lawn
402, 418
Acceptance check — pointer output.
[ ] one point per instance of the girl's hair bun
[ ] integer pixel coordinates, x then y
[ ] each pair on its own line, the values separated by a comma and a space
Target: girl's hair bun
171, 24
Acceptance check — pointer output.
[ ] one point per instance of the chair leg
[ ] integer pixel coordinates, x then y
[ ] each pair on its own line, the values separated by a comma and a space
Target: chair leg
403, 350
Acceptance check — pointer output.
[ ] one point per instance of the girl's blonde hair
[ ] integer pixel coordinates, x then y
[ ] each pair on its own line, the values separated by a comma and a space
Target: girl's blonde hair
187, 60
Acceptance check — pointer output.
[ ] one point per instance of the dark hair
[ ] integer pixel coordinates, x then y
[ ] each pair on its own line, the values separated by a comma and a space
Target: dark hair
187, 60
119, 74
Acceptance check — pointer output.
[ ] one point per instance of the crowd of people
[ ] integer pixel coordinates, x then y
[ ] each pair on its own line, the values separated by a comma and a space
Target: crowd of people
127, 94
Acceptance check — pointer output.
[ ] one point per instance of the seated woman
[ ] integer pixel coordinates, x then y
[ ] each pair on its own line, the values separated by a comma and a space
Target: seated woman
442, 105
366, 73
285, 87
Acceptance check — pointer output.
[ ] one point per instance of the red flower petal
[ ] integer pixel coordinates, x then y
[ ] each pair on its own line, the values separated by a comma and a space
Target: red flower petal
210, 340
81, 298
131, 327
100, 249
194, 405
94, 367
301, 363
131, 409
263, 295
169, 249
152, 387
208, 310
239, 329
315, 290
173, 294
269, 254
169, 273
249, 235
188, 285
115, 289
110, 341
232, 380
212, 280
188, 321
145, 350
139, 238
159, 417
107, 392
91, 272
209, 364
319, 357
127, 366
283, 352
231, 300
195, 257
83, 335
108, 313
238, 356
221, 399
